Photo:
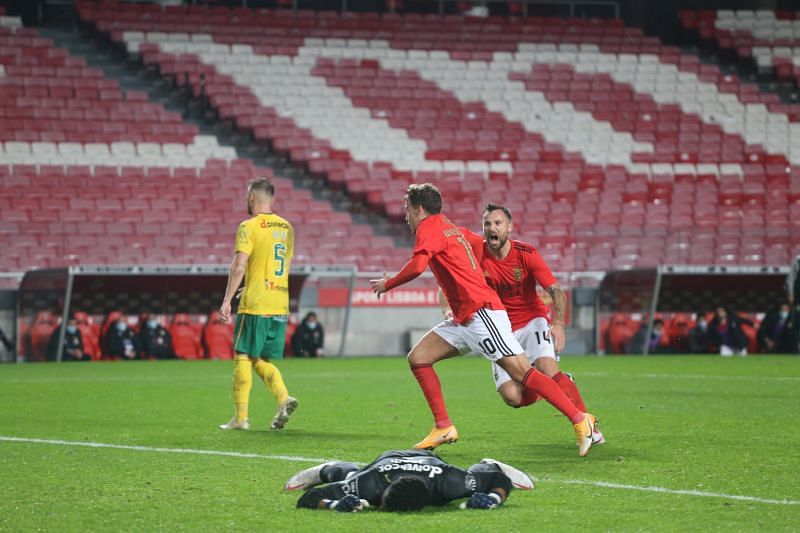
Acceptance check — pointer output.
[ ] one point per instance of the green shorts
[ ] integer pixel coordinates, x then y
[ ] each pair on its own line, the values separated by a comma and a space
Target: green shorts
260, 336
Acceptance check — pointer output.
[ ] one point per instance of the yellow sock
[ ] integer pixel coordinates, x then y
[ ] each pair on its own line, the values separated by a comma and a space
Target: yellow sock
272, 379
242, 383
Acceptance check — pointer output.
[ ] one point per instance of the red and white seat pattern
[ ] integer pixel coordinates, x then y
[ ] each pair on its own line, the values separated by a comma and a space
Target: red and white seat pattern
89, 174
615, 150
770, 38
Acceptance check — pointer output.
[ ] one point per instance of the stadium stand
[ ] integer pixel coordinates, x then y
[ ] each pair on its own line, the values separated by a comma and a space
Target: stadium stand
771, 39
632, 152
93, 175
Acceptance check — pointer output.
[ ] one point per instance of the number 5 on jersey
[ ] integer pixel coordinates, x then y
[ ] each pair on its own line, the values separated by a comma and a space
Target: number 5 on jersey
279, 252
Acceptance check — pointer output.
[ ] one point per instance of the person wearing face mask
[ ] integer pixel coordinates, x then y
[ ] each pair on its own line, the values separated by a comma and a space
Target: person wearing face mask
122, 341
774, 333
309, 337
72, 346
156, 341
699, 341
726, 332
656, 344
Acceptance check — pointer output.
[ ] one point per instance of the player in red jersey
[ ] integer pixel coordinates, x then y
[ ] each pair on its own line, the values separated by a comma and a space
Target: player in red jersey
479, 318
513, 269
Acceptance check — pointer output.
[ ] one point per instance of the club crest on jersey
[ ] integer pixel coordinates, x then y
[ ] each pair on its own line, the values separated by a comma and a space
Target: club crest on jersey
517, 274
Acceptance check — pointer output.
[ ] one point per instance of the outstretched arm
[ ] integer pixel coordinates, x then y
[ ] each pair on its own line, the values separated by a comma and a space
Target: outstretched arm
411, 270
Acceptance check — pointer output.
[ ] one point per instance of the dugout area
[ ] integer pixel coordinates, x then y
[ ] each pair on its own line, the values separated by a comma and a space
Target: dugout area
100, 290
670, 290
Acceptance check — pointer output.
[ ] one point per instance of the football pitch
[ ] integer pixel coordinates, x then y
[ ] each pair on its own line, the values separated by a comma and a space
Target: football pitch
693, 443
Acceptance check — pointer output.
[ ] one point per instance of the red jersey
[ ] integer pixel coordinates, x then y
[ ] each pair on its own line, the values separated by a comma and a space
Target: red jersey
514, 278
450, 251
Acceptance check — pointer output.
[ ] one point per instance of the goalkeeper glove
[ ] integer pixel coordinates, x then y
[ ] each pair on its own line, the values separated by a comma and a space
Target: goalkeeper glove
349, 504
481, 500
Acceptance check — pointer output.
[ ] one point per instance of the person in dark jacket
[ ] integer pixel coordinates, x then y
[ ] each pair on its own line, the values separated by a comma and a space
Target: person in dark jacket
122, 341
725, 331
72, 346
699, 341
774, 334
156, 341
309, 337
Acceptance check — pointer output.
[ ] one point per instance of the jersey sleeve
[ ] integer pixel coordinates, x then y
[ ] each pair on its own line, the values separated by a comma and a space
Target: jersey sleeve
290, 243
244, 239
536, 265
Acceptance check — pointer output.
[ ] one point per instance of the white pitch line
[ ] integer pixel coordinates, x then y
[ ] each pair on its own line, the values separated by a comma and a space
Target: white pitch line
294, 458
701, 494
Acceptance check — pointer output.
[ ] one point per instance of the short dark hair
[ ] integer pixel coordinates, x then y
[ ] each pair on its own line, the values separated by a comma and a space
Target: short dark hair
406, 493
658, 322
495, 207
425, 195
262, 184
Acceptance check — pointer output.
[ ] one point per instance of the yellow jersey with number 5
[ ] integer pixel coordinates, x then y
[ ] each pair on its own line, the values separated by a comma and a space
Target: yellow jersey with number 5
268, 240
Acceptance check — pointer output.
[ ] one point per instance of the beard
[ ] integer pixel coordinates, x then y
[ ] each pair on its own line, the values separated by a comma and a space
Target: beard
249, 209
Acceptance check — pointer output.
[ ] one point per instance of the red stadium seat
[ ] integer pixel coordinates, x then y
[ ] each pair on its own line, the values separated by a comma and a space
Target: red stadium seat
185, 337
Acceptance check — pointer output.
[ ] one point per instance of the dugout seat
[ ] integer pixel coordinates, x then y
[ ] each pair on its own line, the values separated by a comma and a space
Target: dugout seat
38, 335
621, 329
89, 334
217, 338
185, 337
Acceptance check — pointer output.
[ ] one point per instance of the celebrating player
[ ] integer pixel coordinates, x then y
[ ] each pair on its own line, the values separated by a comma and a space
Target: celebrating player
479, 318
264, 246
513, 268
406, 481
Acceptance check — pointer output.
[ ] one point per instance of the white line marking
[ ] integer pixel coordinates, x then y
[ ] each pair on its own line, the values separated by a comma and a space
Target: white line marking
701, 494
295, 458
165, 450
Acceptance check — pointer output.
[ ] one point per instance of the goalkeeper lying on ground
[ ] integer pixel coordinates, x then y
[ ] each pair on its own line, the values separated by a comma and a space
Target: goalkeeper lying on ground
406, 481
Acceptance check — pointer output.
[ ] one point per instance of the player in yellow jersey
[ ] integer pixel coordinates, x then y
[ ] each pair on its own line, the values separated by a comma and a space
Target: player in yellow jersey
264, 247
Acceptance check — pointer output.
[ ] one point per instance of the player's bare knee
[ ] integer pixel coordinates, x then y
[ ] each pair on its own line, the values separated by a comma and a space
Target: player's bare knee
513, 402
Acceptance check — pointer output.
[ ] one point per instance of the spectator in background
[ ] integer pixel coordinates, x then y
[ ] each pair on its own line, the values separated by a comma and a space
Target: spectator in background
774, 334
309, 338
217, 338
725, 331
655, 344
122, 341
156, 341
699, 340
72, 346
185, 338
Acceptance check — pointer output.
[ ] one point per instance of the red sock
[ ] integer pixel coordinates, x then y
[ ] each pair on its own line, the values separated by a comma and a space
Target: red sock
570, 389
529, 396
432, 389
552, 393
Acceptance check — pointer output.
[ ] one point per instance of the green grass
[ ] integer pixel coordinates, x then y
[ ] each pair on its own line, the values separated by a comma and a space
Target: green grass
703, 424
